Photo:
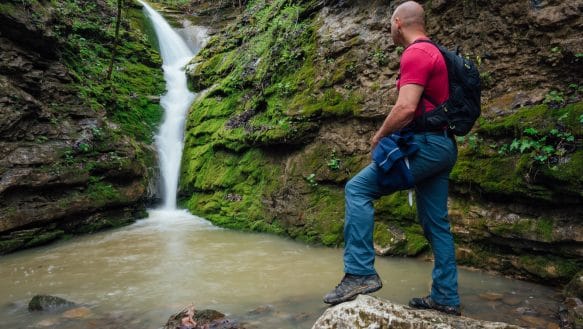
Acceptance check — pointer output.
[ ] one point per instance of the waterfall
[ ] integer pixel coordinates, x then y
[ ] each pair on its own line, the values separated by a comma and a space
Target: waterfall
169, 141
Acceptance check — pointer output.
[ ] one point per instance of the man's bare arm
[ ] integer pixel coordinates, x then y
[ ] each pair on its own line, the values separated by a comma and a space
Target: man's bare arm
402, 113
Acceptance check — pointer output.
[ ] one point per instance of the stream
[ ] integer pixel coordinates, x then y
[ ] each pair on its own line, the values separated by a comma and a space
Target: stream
137, 276
141, 274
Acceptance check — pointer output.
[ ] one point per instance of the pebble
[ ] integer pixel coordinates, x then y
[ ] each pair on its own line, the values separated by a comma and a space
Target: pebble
491, 296
77, 313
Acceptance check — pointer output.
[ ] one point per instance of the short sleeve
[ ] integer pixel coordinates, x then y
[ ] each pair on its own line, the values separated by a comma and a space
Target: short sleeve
416, 66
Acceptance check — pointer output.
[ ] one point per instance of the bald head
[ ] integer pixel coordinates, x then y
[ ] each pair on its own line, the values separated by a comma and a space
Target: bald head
407, 23
410, 14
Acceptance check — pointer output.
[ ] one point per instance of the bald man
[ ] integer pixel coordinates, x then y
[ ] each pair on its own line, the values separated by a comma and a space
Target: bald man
422, 86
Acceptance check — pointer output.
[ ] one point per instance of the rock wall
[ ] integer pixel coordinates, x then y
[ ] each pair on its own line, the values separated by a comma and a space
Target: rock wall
291, 94
75, 153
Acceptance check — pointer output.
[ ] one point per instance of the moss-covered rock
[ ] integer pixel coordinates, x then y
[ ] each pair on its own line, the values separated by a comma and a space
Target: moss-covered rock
75, 143
301, 87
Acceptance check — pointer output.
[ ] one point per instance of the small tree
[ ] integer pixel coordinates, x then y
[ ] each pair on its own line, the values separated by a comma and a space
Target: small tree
115, 39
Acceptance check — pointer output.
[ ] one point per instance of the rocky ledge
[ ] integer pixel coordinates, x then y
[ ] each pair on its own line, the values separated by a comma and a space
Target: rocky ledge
371, 312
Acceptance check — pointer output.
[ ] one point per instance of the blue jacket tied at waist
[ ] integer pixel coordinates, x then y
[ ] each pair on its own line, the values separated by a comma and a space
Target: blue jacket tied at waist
390, 157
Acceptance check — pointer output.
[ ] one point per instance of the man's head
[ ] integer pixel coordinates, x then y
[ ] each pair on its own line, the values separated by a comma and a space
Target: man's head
407, 21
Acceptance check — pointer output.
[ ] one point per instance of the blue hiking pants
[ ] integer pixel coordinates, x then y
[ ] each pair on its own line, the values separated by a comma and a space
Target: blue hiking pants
430, 167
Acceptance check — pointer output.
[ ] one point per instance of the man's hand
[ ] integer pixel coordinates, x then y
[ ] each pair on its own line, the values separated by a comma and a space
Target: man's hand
374, 141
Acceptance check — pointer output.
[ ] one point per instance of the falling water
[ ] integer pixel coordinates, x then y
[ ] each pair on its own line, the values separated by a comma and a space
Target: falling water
175, 55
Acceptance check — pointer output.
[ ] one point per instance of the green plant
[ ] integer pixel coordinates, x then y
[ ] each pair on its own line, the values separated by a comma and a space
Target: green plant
380, 57
41, 139
334, 162
472, 140
554, 99
285, 88
400, 50
311, 179
486, 79
69, 156
84, 147
97, 133
581, 119
543, 148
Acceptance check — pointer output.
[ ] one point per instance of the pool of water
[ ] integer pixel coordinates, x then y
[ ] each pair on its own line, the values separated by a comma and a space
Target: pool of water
137, 276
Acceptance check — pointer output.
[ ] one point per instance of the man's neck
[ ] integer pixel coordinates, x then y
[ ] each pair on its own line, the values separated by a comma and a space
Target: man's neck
409, 39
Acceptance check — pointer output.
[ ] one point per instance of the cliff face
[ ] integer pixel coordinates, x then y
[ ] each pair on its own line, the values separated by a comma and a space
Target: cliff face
292, 92
74, 152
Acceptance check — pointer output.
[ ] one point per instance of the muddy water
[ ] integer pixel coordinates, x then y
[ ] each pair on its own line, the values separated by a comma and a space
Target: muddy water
135, 277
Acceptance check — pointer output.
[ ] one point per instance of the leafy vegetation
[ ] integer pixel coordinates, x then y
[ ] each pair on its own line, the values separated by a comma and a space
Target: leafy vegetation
88, 33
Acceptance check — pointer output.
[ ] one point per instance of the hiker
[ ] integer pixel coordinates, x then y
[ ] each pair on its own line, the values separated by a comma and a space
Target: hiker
422, 85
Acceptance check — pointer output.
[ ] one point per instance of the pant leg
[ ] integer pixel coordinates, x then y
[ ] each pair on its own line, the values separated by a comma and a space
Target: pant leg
360, 192
431, 171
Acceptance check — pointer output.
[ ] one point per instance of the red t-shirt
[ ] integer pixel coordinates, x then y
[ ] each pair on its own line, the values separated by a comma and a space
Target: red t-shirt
422, 64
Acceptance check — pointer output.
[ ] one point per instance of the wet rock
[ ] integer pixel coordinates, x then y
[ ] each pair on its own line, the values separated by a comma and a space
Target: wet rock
77, 313
263, 309
371, 312
534, 321
49, 303
204, 319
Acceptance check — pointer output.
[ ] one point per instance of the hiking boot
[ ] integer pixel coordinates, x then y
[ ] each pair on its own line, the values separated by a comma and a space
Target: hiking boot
427, 303
351, 286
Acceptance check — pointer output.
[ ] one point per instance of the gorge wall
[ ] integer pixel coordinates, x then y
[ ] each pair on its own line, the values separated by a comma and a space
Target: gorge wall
291, 92
75, 147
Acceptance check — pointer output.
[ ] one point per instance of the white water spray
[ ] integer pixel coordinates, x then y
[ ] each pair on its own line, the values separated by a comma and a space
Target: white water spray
169, 141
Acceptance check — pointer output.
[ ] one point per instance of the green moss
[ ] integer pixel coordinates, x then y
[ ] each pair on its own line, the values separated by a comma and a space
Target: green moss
382, 235
229, 188
395, 208
43, 238
550, 268
101, 192
324, 216
416, 241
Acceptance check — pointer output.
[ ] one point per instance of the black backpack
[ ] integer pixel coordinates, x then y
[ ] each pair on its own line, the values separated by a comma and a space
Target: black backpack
461, 110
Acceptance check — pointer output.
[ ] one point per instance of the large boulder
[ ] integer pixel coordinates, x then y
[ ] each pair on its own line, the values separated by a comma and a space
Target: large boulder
366, 312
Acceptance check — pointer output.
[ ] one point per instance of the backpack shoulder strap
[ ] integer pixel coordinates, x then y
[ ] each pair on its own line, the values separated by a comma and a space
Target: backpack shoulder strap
424, 95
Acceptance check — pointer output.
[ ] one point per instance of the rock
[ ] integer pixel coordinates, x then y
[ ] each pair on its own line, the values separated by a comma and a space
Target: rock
49, 303
534, 321
575, 287
210, 318
571, 313
263, 309
491, 296
371, 312
77, 313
